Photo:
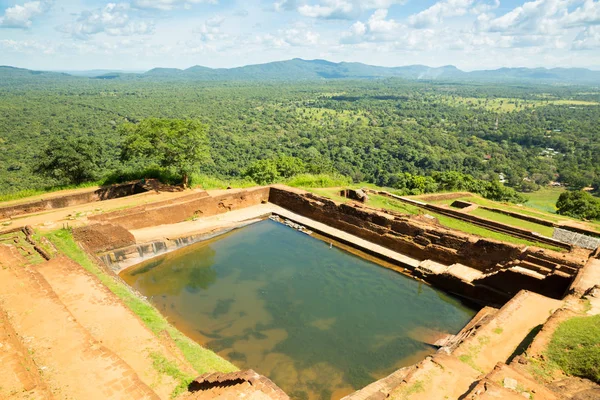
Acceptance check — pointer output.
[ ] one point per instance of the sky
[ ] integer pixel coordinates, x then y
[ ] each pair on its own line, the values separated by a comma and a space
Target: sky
137, 35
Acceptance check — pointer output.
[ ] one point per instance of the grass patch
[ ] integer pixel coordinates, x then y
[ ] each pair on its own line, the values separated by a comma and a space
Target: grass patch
540, 370
544, 199
211, 182
575, 347
39, 192
391, 204
203, 360
166, 367
507, 207
327, 116
540, 204
330, 193
506, 105
375, 200
417, 387
468, 227
512, 221
318, 181
468, 359
386, 203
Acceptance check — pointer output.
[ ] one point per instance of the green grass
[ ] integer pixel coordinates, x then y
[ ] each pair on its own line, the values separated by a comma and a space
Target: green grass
540, 205
321, 116
211, 182
575, 347
391, 204
166, 367
330, 193
203, 360
468, 227
299, 181
511, 104
469, 357
317, 181
38, 192
506, 206
544, 199
516, 222
376, 201
387, 203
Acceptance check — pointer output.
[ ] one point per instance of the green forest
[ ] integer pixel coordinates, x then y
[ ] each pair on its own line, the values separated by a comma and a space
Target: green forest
412, 135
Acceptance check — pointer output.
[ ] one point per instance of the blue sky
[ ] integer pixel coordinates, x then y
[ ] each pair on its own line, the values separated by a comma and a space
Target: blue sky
142, 34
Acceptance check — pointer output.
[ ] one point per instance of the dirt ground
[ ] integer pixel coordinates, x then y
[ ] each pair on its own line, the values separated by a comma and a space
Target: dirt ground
77, 215
66, 336
67, 324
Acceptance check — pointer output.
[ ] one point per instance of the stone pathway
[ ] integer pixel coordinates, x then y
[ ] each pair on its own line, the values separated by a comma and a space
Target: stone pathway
64, 335
109, 322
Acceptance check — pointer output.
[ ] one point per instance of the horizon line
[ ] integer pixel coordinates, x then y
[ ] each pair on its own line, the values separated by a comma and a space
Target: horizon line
137, 71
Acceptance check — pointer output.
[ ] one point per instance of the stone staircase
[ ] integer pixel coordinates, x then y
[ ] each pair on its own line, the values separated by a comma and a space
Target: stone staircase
64, 335
457, 369
235, 385
20, 239
505, 382
21, 379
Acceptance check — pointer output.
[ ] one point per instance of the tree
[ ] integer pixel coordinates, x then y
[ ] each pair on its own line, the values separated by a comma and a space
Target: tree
288, 166
178, 145
578, 204
263, 172
70, 160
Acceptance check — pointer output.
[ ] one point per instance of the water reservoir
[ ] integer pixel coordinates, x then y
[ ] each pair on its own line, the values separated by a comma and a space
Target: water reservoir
317, 320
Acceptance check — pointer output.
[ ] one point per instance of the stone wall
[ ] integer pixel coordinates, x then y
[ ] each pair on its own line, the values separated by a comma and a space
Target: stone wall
198, 204
103, 237
524, 217
484, 222
576, 239
505, 266
399, 234
104, 193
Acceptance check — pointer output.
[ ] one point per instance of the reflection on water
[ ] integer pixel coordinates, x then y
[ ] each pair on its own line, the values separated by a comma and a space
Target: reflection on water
319, 322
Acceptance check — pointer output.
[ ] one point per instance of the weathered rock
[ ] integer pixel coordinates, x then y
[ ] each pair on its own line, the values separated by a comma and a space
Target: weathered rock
510, 383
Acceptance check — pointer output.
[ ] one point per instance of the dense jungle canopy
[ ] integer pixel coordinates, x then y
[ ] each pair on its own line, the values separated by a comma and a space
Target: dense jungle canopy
370, 130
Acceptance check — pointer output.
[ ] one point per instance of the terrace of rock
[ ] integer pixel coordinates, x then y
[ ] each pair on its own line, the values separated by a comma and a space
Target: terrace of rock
523, 285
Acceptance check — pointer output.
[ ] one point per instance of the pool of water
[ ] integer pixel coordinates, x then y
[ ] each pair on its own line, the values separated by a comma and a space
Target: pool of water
319, 321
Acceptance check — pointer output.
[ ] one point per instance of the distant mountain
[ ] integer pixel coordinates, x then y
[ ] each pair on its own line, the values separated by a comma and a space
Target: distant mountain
98, 72
7, 72
299, 70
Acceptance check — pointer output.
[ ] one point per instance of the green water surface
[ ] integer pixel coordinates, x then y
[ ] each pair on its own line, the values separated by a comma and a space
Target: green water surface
319, 321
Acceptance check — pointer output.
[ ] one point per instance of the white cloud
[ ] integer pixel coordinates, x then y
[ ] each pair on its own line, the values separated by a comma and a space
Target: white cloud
539, 16
241, 13
210, 30
376, 29
286, 5
333, 9
26, 46
113, 20
20, 16
485, 7
588, 39
470, 33
588, 14
300, 36
168, 4
337, 9
440, 10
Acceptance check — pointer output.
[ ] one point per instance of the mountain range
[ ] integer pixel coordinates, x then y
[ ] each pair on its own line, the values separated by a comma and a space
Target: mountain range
303, 70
